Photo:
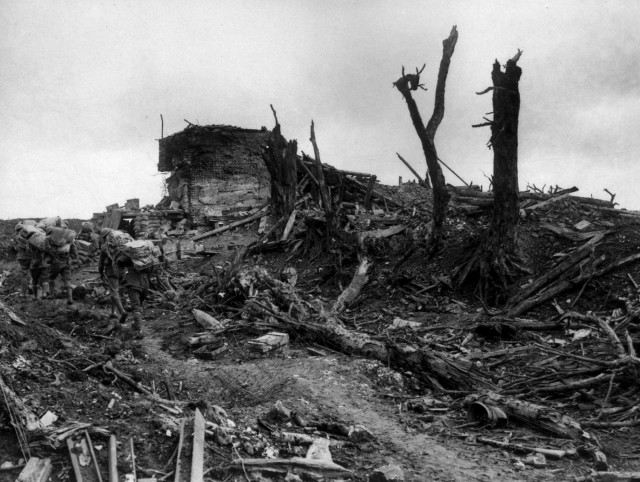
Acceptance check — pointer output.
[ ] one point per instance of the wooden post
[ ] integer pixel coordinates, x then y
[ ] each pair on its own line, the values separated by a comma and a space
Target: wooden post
113, 459
197, 458
367, 196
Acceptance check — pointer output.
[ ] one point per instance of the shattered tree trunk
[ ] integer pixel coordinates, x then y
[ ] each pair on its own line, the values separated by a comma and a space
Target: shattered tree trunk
405, 85
325, 194
280, 158
495, 260
504, 140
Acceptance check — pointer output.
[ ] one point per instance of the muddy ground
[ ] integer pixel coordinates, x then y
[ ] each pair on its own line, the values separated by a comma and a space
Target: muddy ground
45, 364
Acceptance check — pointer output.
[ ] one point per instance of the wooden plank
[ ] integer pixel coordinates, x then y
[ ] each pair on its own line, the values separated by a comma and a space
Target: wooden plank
179, 453
197, 457
74, 460
113, 459
116, 217
107, 220
36, 470
93, 456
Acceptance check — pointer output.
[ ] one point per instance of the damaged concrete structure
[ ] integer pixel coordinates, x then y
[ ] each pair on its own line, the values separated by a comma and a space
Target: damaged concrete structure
216, 171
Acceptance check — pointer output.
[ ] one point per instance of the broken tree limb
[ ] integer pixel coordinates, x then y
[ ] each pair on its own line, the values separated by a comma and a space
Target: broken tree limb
9, 312
546, 203
74, 460
289, 226
380, 233
295, 465
617, 345
263, 212
555, 272
353, 290
413, 171
519, 448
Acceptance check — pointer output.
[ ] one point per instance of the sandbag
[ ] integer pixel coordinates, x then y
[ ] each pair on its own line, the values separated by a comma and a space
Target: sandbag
143, 253
22, 237
114, 240
37, 240
59, 240
54, 221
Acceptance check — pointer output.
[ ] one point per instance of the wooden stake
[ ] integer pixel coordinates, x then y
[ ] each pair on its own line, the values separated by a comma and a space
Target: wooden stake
113, 459
179, 454
197, 458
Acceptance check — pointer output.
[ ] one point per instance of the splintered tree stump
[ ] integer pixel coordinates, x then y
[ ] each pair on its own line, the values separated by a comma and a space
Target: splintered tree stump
496, 261
281, 158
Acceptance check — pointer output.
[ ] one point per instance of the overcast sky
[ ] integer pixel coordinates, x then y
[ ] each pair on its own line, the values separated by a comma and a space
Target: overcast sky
83, 84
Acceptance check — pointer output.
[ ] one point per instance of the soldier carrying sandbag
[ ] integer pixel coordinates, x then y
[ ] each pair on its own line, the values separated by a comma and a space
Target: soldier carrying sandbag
21, 243
139, 258
38, 266
60, 248
110, 239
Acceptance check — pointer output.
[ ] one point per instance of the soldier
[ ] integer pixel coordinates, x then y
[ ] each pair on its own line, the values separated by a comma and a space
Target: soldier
137, 282
24, 259
108, 273
60, 260
39, 269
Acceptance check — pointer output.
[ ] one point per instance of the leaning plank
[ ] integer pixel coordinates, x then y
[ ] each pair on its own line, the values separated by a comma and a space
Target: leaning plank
263, 212
295, 464
74, 460
10, 313
197, 458
36, 470
179, 453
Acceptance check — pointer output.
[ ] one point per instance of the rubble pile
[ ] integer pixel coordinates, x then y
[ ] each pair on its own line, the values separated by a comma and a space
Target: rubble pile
248, 304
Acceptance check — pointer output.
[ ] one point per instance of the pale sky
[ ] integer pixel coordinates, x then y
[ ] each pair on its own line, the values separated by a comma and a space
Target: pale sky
83, 84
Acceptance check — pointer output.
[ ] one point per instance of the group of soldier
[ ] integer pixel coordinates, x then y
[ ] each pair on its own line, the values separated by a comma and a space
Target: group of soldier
42, 261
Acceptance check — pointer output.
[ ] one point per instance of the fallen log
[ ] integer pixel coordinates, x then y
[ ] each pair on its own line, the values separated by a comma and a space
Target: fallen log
543, 418
437, 369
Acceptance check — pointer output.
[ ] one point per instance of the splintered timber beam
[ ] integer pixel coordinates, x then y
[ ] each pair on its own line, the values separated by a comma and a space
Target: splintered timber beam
263, 212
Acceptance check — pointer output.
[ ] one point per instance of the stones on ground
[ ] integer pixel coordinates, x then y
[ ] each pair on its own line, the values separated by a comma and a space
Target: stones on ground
387, 473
